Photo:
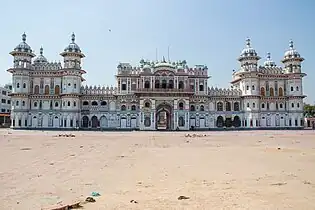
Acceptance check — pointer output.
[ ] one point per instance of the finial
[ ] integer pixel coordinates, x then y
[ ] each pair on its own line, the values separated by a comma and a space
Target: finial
24, 37
41, 50
73, 37
248, 42
164, 59
268, 56
291, 44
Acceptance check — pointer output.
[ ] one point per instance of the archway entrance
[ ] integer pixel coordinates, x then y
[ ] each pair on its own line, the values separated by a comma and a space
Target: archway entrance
164, 117
220, 121
85, 122
228, 122
94, 122
236, 121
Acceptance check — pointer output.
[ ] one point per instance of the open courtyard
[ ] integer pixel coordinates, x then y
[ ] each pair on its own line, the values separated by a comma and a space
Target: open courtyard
151, 170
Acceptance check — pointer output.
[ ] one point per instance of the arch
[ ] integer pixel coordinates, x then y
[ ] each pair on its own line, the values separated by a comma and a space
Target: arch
56, 104
220, 107
123, 108
85, 121
236, 121
56, 122
46, 89
94, 122
171, 84
57, 90
280, 91
227, 106
103, 122
34, 122
147, 121
271, 90
35, 104
94, 103
164, 84
103, 103
262, 91
180, 85
133, 108
24, 85
181, 106
202, 108
17, 85
236, 106
164, 116
85, 103
192, 108
147, 84
147, 104
220, 121
157, 84
36, 89
181, 121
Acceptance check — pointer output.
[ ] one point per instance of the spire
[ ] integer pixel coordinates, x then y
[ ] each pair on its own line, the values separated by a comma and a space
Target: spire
291, 44
248, 42
73, 37
41, 50
164, 60
268, 56
24, 37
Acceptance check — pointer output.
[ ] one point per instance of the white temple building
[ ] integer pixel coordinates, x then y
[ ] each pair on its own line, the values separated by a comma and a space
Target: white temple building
155, 95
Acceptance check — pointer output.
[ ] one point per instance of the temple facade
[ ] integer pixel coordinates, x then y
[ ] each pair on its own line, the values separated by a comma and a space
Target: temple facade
155, 95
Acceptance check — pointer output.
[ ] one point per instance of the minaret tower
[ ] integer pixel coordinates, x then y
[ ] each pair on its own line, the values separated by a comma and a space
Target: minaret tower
71, 84
248, 58
269, 62
294, 86
249, 85
22, 65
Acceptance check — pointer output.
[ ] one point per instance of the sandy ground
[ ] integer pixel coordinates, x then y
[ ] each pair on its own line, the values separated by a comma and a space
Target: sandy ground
223, 170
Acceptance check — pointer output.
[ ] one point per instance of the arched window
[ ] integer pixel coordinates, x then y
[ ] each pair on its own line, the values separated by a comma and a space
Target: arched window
94, 103
220, 106
147, 84
170, 84
180, 85
181, 106
157, 84
192, 108
280, 91
272, 93
46, 89
123, 108
202, 108
17, 103
103, 103
85, 103
74, 104
133, 107
17, 85
236, 106
36, 89
262, 105
24, 85
262, 91
23, 103
57, 90
254, 105
56, 104
35, 104
181, 121
164, 84
69, 104
297, 88
227, 106
147, 104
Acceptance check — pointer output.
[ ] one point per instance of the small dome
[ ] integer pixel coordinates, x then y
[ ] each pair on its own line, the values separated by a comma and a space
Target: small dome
73, 47
269, 62
146, 66
248, 50
41, 58
23, 46
291, 52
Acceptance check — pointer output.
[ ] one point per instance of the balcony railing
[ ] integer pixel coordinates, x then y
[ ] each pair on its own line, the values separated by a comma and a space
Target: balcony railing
163, 90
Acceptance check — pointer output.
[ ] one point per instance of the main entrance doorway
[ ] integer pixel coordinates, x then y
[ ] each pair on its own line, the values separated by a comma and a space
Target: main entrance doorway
163, 119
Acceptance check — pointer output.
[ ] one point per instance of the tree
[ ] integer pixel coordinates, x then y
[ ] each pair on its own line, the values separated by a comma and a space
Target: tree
309, 110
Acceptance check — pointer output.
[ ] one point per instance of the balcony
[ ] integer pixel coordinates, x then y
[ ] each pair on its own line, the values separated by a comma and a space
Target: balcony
163, 90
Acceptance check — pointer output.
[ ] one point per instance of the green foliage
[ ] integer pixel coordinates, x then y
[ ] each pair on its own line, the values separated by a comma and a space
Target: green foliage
309, 110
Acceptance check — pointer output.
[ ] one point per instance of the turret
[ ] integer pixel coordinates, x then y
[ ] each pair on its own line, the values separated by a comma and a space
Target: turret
72, 55
269, 62
248, 58
23, 55
292, 60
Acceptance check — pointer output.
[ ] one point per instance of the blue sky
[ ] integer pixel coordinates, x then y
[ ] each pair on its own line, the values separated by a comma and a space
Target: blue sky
200, 31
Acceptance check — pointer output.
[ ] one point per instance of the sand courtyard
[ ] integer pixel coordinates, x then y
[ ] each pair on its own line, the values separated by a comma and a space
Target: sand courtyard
150, 170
